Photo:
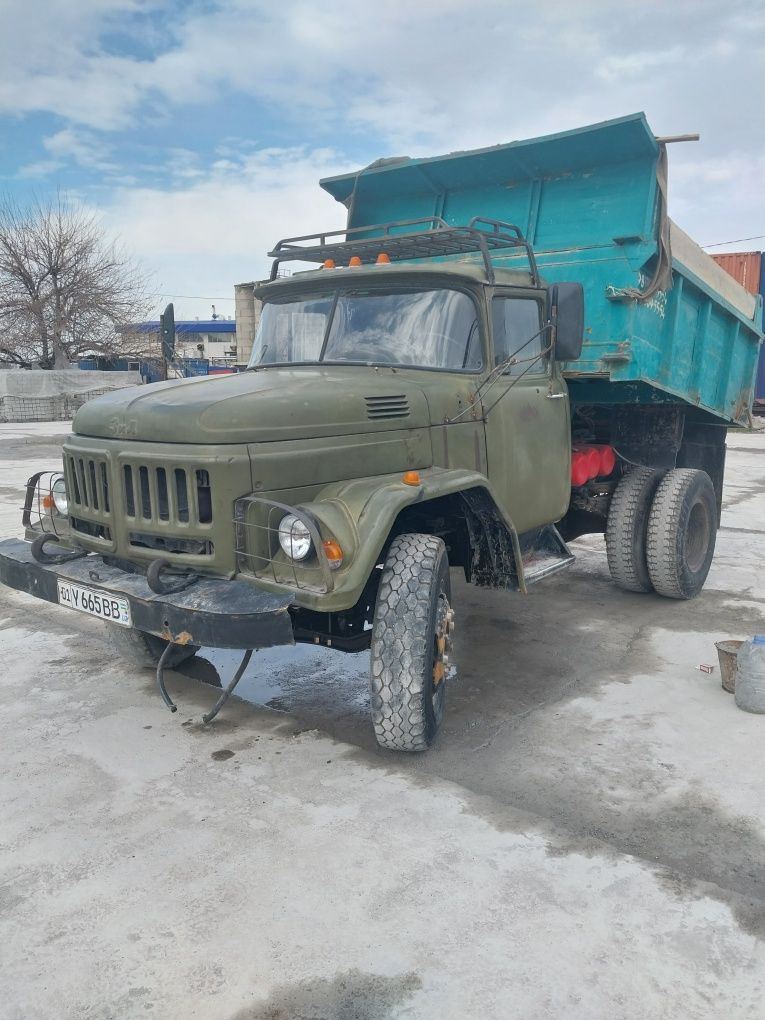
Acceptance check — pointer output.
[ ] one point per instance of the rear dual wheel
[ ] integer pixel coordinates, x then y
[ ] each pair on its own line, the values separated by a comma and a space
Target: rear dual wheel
682, 528
661, 531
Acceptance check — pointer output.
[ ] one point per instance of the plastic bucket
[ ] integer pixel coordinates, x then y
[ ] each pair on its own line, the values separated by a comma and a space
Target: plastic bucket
750, 675
727, 653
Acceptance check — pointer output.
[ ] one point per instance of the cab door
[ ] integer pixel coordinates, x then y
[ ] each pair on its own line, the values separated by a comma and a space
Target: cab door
528, 428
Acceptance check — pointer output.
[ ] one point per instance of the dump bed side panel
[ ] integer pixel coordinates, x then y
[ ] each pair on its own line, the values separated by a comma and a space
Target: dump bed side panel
590, 202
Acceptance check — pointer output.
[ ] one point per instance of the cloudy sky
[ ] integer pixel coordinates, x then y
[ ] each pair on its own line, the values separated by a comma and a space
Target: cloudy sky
199, 129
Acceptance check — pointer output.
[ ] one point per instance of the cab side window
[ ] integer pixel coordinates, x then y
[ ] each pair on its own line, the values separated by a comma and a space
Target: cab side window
514, 322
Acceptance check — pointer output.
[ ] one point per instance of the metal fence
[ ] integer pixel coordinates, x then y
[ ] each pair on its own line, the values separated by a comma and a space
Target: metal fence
21, 408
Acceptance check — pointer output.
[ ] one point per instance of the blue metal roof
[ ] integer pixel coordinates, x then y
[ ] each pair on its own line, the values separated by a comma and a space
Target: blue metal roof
192, 326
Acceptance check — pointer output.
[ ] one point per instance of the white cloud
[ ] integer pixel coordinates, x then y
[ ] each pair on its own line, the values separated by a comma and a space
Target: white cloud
381, 79
40, 168
717, 198
83, 148
203, 236
51, 60
636, 64
71, 145
440, 72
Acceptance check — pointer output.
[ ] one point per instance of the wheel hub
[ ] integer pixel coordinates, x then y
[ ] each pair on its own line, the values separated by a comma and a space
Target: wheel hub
443, 640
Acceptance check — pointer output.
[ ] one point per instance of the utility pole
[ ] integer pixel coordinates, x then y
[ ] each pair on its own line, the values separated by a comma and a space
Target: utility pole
167, 336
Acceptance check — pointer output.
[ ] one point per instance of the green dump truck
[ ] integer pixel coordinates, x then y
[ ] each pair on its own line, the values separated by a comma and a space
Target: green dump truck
505, 349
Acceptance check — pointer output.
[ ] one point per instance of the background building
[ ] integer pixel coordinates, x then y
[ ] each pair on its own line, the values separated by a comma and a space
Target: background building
247, 310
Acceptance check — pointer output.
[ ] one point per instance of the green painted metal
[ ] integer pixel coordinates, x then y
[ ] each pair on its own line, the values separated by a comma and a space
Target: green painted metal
588, 200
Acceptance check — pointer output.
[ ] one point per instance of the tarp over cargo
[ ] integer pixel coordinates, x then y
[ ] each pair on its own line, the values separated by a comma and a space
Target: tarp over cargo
54, 395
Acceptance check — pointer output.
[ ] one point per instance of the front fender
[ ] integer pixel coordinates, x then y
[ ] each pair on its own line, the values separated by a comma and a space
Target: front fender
361, 513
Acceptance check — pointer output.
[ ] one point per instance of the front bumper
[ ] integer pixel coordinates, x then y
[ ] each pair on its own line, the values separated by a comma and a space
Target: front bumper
214, 612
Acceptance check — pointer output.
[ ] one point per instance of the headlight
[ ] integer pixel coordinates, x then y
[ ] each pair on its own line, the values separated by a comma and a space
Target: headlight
294, 537
58, 492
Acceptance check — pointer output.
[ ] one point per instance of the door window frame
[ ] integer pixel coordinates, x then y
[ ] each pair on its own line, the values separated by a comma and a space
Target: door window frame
544, 366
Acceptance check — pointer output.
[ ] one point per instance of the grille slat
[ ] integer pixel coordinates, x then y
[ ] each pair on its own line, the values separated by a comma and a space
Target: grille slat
91, 474
105, 488
153, 498
182, 495
172, 502
163, 509
144, 495
392, 406
80, 469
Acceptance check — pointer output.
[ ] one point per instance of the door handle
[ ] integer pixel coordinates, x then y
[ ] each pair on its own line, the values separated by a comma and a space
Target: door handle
555, 396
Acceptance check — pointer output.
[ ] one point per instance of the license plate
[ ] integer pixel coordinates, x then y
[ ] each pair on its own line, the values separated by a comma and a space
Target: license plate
96, 603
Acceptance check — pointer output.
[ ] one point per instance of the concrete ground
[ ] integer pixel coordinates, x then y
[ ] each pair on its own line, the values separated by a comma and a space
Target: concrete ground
585, 840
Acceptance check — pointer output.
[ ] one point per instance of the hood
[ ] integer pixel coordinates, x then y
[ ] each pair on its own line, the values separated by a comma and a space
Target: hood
262, 406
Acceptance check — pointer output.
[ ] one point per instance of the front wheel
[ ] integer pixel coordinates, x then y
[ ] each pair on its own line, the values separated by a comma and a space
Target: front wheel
411, 642
144, 650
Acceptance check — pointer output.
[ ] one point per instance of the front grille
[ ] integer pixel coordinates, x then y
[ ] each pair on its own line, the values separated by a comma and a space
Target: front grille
168, 507
395, 406
167, 494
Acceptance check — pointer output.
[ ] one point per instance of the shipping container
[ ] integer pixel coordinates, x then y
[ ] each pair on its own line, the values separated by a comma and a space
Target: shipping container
743, 266
748, 268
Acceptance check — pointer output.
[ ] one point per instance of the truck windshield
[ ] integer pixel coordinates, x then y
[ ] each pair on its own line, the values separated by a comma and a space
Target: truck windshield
416, 328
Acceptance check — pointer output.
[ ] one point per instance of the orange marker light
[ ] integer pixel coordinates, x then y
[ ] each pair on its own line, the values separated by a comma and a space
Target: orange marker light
383, 259
329, 264
334, 553
355, 261
47, 502
411, 478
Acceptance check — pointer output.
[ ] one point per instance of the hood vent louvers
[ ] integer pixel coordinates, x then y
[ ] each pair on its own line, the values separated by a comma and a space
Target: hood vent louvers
395, 406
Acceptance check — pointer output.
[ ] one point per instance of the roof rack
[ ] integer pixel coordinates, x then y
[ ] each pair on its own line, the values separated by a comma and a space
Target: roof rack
435, 238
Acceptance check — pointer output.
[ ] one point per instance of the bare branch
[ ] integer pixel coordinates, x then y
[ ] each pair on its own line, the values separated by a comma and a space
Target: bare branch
64, 288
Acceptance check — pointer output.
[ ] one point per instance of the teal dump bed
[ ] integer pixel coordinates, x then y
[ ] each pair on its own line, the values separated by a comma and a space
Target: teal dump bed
592, 202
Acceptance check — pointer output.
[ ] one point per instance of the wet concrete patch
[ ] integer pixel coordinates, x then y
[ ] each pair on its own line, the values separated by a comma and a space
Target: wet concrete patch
223, 755
349, 996
526, 758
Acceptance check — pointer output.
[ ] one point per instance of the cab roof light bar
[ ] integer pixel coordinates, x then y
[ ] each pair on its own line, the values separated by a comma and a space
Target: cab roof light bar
434, 239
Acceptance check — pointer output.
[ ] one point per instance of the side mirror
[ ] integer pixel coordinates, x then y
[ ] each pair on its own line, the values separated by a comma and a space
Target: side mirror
566, 310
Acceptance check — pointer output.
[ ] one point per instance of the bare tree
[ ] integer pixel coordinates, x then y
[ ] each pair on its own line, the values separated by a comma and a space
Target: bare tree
63, 287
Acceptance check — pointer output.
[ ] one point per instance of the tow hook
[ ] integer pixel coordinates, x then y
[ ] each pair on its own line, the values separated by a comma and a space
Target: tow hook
165, 579
39, 553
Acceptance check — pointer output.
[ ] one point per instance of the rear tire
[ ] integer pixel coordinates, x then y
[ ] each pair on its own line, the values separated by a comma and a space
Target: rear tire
627, 529
682, 528
411, 639
144, 650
